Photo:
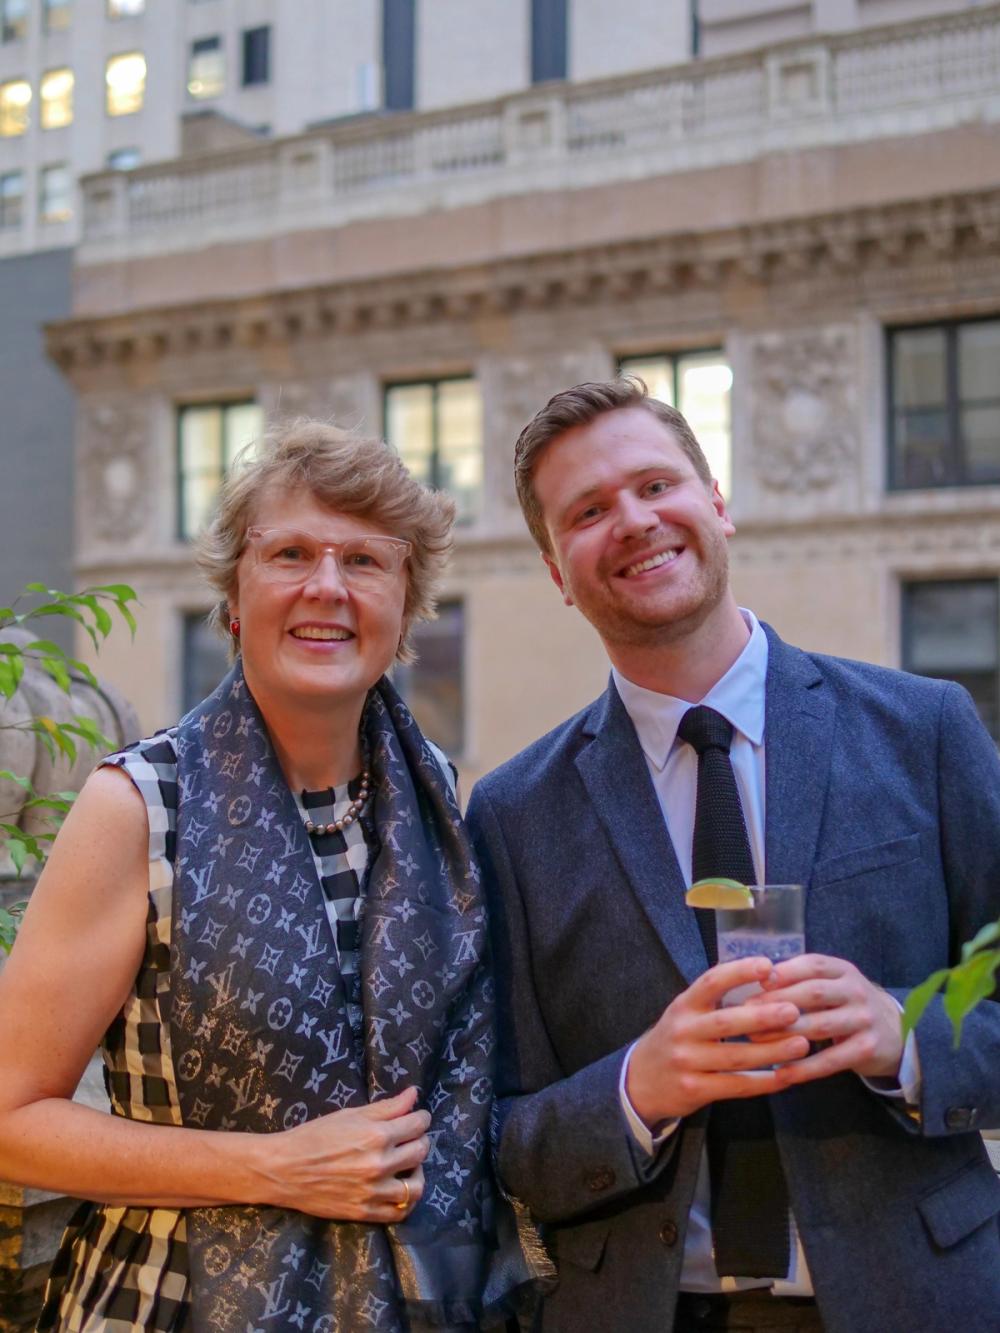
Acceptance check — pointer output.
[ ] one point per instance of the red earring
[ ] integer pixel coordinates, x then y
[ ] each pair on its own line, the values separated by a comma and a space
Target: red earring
234, 628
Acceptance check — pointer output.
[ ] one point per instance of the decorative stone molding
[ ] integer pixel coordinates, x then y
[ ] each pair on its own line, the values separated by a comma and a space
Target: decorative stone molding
857, 246
804, 419
967, 541
113, 466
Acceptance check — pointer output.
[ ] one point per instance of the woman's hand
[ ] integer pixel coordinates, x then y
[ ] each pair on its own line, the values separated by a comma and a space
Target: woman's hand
347, 1165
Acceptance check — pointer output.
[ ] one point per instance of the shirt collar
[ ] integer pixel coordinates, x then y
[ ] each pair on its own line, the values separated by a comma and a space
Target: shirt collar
738, 696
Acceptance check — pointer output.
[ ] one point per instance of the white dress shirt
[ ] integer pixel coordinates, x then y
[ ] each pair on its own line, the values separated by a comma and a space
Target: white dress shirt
673, 765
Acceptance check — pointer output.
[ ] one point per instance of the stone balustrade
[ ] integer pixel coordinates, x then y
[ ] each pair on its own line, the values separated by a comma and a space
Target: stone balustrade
905, 79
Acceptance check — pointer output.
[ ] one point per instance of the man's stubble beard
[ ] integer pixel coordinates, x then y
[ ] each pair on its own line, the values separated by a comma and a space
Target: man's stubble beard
670, 626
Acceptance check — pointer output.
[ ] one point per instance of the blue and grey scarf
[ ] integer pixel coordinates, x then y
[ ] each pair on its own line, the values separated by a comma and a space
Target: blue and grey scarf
261, 1040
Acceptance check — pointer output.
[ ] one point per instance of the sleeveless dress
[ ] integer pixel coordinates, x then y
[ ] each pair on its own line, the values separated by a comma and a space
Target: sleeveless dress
124, 1269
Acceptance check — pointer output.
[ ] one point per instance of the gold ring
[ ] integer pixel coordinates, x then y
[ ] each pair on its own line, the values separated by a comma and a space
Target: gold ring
406, 1202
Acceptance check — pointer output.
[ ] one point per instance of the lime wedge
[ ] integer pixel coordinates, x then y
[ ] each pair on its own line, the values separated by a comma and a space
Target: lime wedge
721, 894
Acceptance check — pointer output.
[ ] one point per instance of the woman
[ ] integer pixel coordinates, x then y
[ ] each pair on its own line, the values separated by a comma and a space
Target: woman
270, 918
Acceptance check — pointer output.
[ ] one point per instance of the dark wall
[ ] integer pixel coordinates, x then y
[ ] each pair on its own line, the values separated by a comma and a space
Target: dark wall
36, 431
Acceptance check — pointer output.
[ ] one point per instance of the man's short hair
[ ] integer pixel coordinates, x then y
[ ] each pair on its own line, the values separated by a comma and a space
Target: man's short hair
580, 406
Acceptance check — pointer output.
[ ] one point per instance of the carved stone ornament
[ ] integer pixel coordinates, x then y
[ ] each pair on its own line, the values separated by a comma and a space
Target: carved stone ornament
805, 430
114, 468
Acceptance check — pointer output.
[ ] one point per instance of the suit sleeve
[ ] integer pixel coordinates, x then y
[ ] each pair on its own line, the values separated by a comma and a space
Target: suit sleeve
563, 1143
960, 1087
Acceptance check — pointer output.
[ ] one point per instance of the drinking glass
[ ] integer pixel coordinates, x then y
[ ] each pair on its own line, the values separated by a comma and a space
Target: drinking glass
773, 927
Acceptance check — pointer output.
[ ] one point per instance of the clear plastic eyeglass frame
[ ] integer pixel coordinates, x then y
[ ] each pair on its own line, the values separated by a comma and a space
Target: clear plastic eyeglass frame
289, 555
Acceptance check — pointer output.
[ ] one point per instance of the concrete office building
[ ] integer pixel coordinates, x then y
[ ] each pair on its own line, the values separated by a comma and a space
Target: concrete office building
797, 241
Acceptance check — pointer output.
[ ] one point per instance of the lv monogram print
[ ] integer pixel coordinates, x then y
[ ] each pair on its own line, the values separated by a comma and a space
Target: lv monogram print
262, 1041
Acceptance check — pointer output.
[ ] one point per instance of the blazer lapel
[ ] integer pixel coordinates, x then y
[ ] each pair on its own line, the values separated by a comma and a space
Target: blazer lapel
614, 772
798, 735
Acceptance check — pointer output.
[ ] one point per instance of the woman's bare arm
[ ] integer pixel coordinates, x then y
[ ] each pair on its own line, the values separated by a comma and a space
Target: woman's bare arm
73, 965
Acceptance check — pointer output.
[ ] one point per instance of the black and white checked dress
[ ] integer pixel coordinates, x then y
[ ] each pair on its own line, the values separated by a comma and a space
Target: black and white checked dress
124, 1269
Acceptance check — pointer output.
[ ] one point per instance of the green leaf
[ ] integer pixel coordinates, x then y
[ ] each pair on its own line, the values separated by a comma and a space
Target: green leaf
45, 646
967, 984
15, 777
988, 935
56, 668
9, 922
61, 609
18, 853
11, 671
919, 998
11, 649
56, 731
41, 588
83, 670
121, 592
48, 803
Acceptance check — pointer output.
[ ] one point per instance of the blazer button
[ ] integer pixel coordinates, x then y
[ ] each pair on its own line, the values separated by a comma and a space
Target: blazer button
601, 1179
668, 1234
961, 1117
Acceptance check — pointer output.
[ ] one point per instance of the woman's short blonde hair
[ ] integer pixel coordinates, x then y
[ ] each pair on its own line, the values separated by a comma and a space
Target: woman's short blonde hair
351, 474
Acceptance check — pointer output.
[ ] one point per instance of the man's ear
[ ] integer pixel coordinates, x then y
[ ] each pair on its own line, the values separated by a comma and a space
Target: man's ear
719, 504
556, 575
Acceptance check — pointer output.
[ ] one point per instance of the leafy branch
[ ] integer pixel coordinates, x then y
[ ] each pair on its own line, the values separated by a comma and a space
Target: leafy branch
94, 611
970, 981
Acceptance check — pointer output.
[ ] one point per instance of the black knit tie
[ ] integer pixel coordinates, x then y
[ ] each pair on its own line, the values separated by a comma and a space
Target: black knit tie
749, 1195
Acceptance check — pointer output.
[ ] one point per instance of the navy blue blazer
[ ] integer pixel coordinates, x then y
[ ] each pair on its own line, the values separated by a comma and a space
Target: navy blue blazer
883, 798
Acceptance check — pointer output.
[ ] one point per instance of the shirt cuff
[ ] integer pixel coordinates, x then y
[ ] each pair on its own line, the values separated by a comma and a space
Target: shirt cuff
647, 1141
907, 1083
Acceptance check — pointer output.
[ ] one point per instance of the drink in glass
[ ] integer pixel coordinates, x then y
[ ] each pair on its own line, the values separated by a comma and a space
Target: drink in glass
772, 926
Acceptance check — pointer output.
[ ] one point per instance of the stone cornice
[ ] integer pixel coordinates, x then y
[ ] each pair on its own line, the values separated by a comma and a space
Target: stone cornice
920, 231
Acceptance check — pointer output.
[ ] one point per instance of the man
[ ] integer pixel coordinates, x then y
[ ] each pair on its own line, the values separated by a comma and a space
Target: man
873, 1208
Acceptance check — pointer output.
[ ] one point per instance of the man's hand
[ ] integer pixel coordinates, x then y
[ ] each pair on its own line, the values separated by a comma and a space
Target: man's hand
684, 1062
839, 1006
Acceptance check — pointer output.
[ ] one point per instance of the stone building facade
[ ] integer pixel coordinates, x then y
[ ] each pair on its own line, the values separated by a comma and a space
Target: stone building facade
823, 214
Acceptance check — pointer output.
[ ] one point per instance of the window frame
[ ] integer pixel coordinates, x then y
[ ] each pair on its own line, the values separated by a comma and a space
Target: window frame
16, 30
10, 83
44, 173
403, 674
18, 173
42, 103
434, 481
246, 34
60, 7
906, 584
224, 405
957, 480
209, 43
548, 41
108, 62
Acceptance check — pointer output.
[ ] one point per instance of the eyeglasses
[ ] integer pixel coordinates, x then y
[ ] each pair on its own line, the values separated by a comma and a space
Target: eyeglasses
288, 555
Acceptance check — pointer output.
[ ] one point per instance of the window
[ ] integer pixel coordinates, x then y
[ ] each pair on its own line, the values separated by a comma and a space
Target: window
58, 15
56, 99
209, 436
125, 78
124, 159
256, 56
15, 100
204, 661
548, 40
13, 19
123, 9
698, 385
437, 427
55, 197
206, 68
951, 631
398, 37
944, 395
11, 199
432, 685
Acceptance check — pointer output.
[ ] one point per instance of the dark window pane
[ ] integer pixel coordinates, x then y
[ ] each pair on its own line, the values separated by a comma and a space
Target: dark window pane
256, 56
920, 368
979, 361
398, 54
548, 40
923, 448
432, 686
981, 440
13, 19
950, 632
206, 661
